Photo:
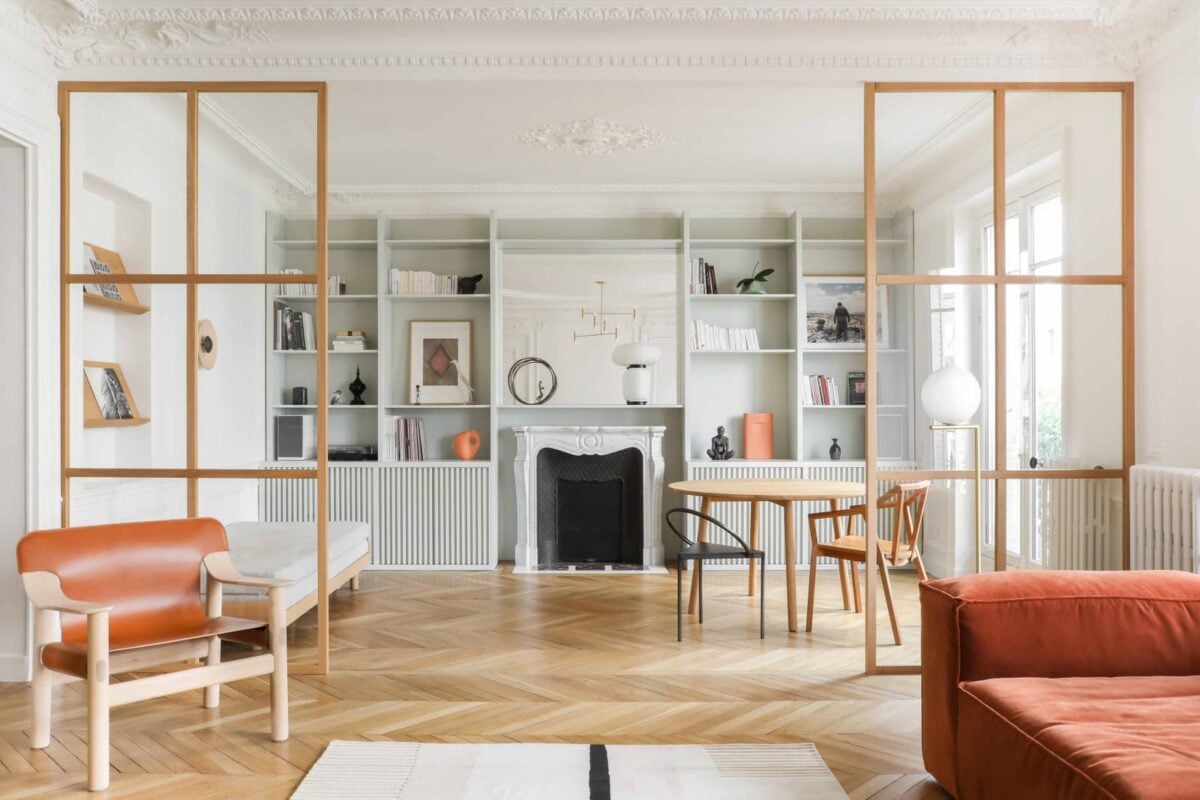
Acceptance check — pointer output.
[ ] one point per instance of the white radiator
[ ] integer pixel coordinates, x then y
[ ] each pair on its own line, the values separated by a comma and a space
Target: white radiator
427, 516
1162, 518
1080, 523
434, 516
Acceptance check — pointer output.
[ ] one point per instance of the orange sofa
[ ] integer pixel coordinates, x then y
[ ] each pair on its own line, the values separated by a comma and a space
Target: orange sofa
1072, 685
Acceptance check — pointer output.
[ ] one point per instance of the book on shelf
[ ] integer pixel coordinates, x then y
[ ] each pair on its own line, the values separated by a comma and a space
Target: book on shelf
349, 342
337, 285
707, 336
703, 277
407, 281
820, 390
294, 330
404, 439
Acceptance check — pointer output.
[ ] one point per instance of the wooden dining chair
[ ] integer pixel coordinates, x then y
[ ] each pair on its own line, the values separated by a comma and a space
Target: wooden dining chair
126, 597
906, 501
699, 552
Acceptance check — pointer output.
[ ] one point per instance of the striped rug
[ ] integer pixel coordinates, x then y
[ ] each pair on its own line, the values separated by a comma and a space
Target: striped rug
395, 770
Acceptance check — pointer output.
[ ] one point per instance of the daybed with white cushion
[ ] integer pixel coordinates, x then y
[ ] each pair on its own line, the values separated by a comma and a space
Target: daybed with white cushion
287, 550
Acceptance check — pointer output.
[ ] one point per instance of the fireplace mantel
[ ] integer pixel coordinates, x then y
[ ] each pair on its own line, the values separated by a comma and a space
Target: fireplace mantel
588, 440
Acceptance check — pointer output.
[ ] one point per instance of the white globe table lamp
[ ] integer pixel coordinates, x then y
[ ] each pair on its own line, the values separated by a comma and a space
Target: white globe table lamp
636, 357
950, 396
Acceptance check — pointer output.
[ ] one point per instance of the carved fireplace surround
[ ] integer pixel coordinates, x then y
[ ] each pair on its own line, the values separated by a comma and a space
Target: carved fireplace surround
588, 440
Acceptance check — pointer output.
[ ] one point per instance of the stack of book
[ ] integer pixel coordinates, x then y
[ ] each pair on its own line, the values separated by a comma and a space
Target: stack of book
349, 342
337, 285
820, 390
704, 276
406, 281
706, 336
403, 439
294, 329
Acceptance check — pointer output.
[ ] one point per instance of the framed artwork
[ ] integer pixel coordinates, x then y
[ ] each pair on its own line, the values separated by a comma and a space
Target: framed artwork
439, 362
835, 314
107, 400
856, 388
102, 262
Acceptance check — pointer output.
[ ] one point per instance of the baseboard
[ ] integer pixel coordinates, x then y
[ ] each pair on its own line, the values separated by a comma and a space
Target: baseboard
14, 669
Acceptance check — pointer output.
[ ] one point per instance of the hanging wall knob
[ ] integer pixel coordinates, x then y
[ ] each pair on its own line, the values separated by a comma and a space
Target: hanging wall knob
206, 344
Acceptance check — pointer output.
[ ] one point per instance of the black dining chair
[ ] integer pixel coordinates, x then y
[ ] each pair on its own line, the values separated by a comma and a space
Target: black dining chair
708, 551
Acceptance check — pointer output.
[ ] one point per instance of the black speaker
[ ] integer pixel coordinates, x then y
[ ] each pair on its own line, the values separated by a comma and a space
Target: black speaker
299, 396
294, 440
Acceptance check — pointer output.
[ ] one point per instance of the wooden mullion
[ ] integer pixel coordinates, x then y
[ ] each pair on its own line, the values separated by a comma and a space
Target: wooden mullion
870, 422
1128, 354
282, 473
64, 303
1000, 415
995, 280
322, 326
192, 315
1002, 86
206, 278
181, 87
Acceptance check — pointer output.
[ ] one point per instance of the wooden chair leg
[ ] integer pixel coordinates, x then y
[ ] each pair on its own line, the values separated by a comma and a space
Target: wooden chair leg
853, 567
279, 687
97, 692
920, 565
354, 583
43, 624
753, 544
887, 595
812, 590
841, 565
212, 694
679, 600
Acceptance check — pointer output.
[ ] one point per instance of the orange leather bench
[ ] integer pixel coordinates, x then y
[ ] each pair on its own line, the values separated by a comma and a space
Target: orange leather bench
1073, 685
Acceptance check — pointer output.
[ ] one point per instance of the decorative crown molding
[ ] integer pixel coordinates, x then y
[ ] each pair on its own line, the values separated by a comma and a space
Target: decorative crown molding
593, 137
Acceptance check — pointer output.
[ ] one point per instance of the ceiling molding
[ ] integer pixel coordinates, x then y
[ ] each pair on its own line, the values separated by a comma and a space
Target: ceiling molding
593, 137
254, 146
289, 34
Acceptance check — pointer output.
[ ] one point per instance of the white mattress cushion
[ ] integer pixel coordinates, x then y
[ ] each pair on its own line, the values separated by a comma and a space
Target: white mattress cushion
287, 550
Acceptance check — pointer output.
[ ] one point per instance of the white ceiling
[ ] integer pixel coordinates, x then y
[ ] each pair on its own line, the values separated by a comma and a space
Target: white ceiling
388, 134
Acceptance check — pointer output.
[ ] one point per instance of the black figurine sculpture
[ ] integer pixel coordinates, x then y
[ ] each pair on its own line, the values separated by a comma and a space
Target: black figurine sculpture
720, 446
467, 285
357, 387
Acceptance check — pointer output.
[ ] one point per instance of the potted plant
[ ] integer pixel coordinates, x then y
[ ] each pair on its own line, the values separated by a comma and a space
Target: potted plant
756, 283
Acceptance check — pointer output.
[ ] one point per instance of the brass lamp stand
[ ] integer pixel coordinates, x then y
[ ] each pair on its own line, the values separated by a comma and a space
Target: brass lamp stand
937, 426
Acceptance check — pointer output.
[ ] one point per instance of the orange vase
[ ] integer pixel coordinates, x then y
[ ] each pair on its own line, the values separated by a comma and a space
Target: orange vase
466, 445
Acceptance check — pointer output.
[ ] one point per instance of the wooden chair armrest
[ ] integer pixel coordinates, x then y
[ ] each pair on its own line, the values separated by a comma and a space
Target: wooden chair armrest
841, 512
45, 592
220, 567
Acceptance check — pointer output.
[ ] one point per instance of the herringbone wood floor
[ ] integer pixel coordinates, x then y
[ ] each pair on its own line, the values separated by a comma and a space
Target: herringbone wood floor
488, 657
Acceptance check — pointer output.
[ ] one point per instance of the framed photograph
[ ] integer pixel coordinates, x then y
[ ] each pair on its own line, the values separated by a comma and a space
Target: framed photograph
439, 362
103, 262
107, 399
856, 388
835, 314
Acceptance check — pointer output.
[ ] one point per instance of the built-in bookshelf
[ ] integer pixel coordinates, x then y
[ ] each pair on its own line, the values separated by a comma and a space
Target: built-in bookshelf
717, 386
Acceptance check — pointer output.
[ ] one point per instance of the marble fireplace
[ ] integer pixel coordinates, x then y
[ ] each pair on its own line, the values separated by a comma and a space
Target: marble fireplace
589, 498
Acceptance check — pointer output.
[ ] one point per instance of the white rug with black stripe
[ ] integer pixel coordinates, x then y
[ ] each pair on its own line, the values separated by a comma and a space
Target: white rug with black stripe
393, 770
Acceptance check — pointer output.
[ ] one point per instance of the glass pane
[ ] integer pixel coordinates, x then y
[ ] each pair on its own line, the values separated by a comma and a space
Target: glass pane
102, 501
1064, 524
129, 381
1063, 377
1063, 182
930, 328
933, 165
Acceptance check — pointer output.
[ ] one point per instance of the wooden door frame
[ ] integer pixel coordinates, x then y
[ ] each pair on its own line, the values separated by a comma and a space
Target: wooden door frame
999, 475
191, 280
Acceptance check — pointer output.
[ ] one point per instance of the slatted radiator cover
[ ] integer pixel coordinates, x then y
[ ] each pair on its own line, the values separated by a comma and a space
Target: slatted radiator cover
737, 515
1164, 504
428, 516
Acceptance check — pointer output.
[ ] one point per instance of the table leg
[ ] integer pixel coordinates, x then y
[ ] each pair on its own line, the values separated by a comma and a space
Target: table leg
789, 545
701, 536
753, 543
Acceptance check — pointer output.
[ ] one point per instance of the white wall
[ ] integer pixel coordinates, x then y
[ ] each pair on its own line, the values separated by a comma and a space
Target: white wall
1168, 268
14, 218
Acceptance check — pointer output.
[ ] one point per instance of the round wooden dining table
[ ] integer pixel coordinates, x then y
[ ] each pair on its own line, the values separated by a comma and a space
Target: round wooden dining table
784, 493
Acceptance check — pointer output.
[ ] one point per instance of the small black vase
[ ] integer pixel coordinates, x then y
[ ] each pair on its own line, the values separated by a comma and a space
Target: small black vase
835, 451
357, 387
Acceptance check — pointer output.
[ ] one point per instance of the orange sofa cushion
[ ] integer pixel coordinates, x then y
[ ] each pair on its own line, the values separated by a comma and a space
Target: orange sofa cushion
1046, 624
1125, 737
